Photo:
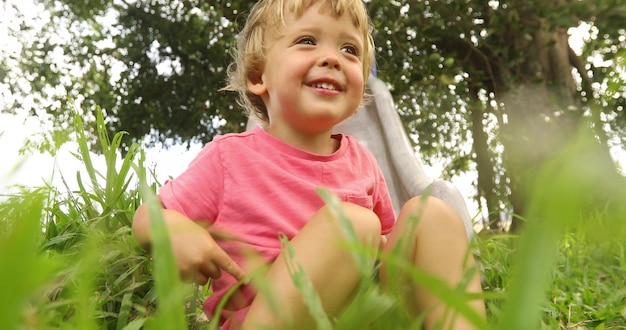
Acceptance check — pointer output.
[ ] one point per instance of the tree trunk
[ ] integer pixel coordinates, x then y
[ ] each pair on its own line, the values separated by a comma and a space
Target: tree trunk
541, 110
486, 182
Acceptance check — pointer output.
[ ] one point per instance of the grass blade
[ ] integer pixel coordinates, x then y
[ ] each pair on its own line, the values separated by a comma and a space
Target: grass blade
25, 270
301, 280
171, 293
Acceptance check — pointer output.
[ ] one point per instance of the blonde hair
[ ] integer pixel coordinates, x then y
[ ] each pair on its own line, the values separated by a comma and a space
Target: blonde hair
266, 19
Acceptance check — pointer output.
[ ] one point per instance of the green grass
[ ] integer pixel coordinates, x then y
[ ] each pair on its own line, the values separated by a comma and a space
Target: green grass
69, 260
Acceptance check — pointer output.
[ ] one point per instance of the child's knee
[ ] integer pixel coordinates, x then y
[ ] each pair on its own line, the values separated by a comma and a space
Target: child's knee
364, 221
431, 210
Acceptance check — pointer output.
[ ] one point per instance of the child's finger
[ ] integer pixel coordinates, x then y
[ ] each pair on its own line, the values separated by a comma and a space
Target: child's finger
224, 262
383, 241
201, 279
210, 270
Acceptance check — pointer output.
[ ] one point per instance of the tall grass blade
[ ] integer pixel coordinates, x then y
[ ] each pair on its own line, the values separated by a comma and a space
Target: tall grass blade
124, 314
301, 280
83, 147
367, 308
454, 298
364, 263
86, 272
24, 269
136, 324
171, 293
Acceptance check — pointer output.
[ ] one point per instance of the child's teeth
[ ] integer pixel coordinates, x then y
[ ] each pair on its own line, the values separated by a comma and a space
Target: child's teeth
325, 86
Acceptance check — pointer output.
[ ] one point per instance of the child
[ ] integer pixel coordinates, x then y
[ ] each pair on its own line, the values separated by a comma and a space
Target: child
301, 69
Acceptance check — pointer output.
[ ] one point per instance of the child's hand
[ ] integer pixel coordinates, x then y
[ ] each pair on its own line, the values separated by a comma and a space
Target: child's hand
198, 256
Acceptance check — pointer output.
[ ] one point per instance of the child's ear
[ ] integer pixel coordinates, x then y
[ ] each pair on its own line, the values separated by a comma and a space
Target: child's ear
256, 85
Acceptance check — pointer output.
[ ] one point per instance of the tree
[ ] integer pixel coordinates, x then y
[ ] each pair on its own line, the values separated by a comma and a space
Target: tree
490, 85
513, 84
155, 67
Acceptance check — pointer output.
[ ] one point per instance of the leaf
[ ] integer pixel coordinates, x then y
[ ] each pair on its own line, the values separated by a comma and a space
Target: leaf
455, 299
123, 316
25, 270
363, 261
301, 280
170, 291
136, 324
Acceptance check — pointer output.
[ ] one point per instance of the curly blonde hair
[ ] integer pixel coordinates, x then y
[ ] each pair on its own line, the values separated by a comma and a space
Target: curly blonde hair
266, 19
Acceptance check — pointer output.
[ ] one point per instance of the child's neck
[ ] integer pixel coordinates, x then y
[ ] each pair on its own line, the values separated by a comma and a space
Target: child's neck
318, 143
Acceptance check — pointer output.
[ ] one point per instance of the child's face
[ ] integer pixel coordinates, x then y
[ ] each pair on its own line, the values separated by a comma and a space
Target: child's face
313, 75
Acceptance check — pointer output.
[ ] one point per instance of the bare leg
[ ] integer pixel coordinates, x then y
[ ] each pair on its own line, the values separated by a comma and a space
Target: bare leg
438, 246
331, 269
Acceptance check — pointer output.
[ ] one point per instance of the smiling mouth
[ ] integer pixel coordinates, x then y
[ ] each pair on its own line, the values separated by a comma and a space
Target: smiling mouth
326, 86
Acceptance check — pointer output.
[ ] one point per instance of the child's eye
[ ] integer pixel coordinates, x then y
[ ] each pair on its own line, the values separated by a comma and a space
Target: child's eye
306, 41
352, 50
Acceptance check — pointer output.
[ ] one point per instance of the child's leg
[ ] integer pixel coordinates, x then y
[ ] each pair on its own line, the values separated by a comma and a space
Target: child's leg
330, 267
438, 245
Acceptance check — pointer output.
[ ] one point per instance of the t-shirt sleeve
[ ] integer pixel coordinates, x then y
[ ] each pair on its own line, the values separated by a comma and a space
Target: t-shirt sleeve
197, 192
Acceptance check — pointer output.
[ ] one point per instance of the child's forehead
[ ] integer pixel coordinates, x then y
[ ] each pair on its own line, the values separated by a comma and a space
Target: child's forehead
299, 7
338, 8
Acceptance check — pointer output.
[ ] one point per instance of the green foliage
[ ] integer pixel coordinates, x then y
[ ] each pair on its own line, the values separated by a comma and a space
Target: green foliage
583, 287
170, 291
90, 231
493, 50
25, 273
74, 261
570, 224
154, 67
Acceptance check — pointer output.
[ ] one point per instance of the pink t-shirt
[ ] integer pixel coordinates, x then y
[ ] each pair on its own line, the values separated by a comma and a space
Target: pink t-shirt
254, 187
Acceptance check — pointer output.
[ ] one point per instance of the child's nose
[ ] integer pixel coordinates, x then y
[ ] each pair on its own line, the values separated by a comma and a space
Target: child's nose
330, 59
332, 63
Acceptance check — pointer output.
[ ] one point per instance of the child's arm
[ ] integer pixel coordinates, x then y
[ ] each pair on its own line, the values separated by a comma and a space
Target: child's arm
197, 255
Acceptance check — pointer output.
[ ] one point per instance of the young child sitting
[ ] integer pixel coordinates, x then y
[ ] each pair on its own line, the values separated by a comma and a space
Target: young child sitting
301, 68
